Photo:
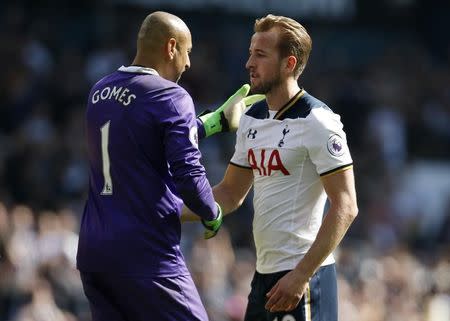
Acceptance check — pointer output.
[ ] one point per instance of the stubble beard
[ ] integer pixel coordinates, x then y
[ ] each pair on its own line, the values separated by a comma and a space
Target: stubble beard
266, 86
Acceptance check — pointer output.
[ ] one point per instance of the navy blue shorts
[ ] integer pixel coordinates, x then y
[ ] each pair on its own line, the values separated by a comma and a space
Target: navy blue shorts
120, 298
317, 304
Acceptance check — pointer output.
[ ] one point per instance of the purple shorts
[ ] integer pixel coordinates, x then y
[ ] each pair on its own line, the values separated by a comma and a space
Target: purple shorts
123, 298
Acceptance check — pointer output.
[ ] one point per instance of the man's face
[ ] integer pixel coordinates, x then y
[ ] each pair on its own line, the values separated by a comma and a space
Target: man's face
264, 63
181, 58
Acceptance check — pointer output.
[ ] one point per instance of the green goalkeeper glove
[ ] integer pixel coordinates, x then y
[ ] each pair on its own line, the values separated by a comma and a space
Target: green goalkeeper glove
213, 226
227, 116
253, 99
234, 113
216, 122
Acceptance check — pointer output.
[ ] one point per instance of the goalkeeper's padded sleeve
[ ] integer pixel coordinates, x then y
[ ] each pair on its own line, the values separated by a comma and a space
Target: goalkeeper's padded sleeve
215, 122
213, 226
201, 130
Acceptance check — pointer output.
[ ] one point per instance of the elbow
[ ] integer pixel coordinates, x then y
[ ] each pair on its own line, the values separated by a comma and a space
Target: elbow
348, 212
231, 205
345, 209
228, 198
238, 202
353, 212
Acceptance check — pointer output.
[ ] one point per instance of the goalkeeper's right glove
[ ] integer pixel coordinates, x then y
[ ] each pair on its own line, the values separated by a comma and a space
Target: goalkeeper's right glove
213, 226
234, 113
253, 99
216, 121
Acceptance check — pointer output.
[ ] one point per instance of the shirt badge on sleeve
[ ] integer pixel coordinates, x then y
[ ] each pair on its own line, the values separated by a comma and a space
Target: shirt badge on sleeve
193, 136
335, 145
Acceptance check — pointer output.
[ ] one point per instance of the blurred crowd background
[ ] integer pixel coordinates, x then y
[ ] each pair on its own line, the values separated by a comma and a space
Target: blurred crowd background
384, 66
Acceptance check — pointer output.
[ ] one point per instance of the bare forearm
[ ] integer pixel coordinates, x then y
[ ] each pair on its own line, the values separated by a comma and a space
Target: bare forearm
225, 200
188, 216
229, 193
224, 196
333, 229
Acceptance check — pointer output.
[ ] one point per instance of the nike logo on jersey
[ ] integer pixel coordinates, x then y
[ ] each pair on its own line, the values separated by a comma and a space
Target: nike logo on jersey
266, 165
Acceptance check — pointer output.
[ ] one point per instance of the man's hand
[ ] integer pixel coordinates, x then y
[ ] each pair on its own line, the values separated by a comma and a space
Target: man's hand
286, 294
213, 226
227, 116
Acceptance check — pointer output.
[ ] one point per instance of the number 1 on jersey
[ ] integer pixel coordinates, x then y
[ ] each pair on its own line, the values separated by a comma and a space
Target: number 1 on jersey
107, 186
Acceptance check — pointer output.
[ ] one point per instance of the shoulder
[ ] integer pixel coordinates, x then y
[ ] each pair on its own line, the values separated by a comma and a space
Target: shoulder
161, 97
161, 87
163, 92
303, 107
314, 111
321, 124
171, 87
258, 110
324, 118
149, 83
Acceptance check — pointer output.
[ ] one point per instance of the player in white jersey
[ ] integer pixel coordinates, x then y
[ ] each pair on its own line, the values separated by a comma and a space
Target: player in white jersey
292, 148
288, 151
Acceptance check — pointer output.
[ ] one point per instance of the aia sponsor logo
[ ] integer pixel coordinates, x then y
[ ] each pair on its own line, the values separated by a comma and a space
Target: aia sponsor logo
266, 164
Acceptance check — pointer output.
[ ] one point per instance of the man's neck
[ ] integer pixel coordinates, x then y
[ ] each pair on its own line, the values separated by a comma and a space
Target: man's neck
279, 96
147, 63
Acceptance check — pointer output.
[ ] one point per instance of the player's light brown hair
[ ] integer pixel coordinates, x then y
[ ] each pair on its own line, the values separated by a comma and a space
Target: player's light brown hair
294, 40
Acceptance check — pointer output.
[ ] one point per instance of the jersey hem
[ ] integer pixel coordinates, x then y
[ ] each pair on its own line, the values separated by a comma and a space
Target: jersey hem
337, 169
328, 261
241, 166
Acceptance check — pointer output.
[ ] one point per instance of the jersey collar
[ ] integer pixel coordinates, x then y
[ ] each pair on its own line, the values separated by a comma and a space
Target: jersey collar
139, 70
289, 104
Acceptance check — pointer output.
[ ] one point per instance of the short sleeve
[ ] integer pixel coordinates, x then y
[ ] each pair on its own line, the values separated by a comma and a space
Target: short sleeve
326, 142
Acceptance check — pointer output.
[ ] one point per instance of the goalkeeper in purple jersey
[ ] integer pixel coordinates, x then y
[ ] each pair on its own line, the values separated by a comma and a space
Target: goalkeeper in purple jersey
144, 164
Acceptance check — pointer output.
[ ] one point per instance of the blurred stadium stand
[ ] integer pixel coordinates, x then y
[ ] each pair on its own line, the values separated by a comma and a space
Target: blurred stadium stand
383, 65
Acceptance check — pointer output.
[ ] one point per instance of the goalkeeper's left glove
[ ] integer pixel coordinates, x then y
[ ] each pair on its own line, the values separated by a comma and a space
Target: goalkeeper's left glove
213, 226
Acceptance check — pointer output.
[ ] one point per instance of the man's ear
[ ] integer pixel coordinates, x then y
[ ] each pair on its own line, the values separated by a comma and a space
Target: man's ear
171, 48
291, 62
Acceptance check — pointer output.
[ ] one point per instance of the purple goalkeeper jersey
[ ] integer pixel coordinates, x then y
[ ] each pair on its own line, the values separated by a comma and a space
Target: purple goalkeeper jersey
144, 161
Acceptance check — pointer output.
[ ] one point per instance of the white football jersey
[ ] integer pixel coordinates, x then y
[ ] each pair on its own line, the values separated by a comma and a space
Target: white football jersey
288, 153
